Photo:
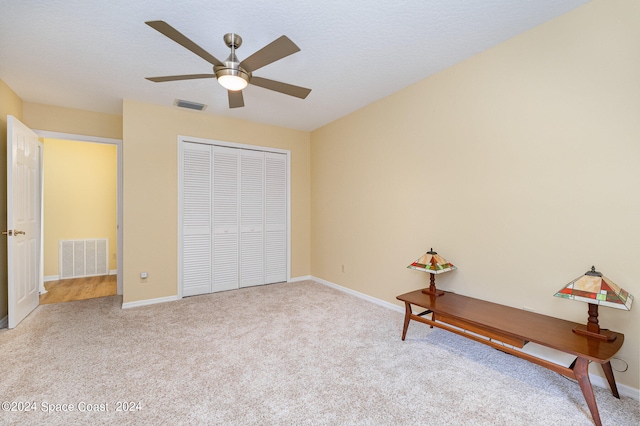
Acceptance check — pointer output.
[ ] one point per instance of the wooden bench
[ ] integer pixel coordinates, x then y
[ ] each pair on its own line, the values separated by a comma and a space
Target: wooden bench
515, 331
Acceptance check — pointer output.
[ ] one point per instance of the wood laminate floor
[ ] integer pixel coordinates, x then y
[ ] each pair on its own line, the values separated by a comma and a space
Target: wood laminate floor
79, 289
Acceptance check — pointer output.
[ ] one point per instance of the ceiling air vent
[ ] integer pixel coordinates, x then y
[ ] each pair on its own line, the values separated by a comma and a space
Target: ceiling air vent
190, 105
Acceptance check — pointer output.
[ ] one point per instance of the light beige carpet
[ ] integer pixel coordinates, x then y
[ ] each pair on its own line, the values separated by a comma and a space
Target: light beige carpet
283, 354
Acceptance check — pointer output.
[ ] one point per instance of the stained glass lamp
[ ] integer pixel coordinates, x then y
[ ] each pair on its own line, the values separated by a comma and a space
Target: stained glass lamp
596, 289
432, 263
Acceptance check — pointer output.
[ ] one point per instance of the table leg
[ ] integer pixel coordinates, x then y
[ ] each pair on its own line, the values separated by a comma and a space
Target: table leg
407, 318
581, 370
608, 372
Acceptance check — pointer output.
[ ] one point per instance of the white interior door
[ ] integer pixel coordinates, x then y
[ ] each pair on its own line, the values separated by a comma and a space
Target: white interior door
24, 152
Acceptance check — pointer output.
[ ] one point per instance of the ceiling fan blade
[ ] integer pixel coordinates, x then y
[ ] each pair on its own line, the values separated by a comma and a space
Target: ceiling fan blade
236, 100
277, 49
287, 89
179, 77
182, 40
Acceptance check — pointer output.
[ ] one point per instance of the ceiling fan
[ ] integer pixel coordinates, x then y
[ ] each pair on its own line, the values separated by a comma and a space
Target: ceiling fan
232, 74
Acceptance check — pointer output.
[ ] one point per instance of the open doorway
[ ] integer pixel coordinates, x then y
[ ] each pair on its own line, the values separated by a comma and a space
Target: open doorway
81, 217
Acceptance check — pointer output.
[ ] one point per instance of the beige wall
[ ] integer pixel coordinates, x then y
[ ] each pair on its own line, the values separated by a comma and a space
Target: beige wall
75, 121
150, 154
10, 104
79, 196
519, 165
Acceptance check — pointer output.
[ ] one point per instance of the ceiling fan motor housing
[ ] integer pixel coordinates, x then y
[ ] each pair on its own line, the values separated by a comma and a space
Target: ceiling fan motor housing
231, 67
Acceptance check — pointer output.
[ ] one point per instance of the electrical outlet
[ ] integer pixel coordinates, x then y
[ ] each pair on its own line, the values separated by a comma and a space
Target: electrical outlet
343, 268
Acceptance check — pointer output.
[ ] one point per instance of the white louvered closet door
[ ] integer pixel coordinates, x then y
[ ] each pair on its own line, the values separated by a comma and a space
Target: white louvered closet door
251, 218
226, 169
234, 218
275, 217
196, 219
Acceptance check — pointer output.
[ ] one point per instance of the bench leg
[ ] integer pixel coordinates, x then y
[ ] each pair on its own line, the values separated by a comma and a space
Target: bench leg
608, 372
407, 318
581, 370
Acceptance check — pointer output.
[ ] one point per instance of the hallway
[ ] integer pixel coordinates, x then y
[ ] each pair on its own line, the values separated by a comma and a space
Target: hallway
79, 289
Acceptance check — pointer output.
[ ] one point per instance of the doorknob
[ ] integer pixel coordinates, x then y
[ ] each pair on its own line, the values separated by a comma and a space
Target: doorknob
11, 233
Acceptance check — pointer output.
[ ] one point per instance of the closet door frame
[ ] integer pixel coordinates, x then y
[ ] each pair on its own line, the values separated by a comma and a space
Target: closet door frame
189, 139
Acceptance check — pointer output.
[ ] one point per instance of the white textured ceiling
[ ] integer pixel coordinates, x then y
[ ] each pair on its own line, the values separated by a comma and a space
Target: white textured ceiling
92, 54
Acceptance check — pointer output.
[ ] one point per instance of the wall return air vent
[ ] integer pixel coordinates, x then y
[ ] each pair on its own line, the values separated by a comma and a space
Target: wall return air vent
83, 258
189, 105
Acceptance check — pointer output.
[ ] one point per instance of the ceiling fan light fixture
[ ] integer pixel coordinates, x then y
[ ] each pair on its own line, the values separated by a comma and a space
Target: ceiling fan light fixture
232, 82
231, 76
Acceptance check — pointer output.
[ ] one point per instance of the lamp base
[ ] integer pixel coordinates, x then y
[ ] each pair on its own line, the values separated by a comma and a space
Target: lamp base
432, 290
602, 335
434, 293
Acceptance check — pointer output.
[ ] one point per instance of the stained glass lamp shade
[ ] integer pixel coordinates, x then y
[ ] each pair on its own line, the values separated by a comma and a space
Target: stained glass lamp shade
596, 289
432, 263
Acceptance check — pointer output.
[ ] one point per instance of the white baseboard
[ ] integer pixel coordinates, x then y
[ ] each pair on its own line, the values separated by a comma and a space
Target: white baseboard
304, 278
49, 278
623, 390
360, 295
599, 381
4, 322
146, 302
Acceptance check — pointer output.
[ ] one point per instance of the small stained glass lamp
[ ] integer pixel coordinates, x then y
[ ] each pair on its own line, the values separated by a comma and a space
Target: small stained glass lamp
432, 263
596, 289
